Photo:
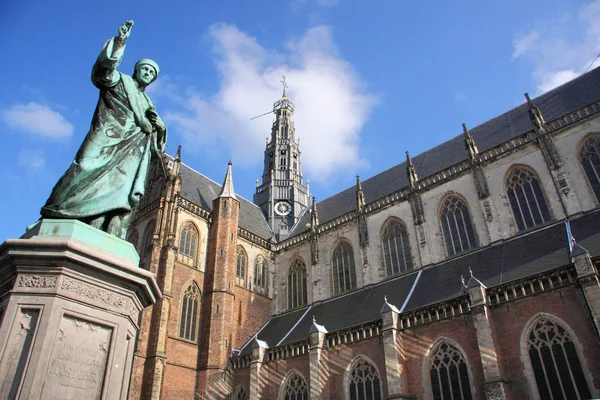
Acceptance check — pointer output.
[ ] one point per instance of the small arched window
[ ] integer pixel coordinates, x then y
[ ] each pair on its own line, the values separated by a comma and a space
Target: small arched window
396, 248
260, 274
188, 240
526, 199
241, 267
457, 227
190, 305
343, 270
364, 382
590, 161
449, 374
295, 387
297, 285
555, 363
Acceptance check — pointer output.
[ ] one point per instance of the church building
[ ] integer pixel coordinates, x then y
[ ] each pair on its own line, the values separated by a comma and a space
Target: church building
469, 271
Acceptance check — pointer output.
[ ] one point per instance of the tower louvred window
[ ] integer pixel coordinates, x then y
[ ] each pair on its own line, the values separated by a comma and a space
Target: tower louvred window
526, 199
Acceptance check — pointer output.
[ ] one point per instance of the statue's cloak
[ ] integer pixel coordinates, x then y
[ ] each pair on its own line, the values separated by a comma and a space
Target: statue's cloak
109, 171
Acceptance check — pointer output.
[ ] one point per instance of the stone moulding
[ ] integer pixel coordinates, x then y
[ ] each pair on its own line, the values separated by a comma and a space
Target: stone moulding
37, 281
448, 173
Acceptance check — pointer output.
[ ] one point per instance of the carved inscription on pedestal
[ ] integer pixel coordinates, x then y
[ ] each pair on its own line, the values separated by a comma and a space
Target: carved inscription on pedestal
78, 361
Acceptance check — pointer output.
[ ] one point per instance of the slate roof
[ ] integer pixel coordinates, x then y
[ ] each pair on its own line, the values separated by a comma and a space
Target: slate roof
565, 99
529, 254
201, 190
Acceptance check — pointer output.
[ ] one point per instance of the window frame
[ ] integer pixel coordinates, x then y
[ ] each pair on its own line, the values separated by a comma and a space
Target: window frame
450, 241
581, 149
406, 245
350, 370
352, 281
540, 203
191, 321
296, 267
241, 280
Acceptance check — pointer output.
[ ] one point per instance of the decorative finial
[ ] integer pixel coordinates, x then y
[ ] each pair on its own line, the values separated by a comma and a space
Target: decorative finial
385, 298
411, 171
285, 86
230, 163
470, 146
462, 280
178, 156
257, 183
314, 319
470, 271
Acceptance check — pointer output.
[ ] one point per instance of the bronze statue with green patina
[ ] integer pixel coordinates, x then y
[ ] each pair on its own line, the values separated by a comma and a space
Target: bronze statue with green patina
105, 182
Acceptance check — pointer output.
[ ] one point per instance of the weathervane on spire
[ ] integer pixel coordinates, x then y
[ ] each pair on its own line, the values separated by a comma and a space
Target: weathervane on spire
285, 86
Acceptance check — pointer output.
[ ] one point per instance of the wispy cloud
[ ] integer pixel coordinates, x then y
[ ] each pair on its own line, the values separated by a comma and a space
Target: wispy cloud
38, 120
31, 159
332, 105
561, 49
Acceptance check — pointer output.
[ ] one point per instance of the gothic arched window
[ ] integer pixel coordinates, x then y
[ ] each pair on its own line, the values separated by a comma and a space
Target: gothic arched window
260, 274
555, 363
295, 388
241, 267
297, 285
343, 271
188, 240
396, 248
590, 161
526, 199
449, 374
190, 305
457, 227
146, 250
364, 382
240, 394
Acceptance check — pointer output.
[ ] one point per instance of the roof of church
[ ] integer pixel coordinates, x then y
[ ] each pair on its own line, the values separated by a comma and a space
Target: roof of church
567, 98
525, 255
201, 190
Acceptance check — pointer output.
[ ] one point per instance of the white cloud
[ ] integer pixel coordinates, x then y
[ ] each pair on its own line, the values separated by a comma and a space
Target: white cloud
331, 104
31, 159
38, 120
561, 49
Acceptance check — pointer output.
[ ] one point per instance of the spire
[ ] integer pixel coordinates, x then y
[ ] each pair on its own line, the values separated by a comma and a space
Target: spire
413, 178
283, 84
360, 195
314, 216
470, 145
178, 155
537, 119
227, 188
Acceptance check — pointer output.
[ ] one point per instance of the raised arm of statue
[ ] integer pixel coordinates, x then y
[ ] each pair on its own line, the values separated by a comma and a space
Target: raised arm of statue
104, 72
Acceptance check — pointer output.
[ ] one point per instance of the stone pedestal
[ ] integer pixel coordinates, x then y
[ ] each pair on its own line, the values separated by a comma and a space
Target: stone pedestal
70, 302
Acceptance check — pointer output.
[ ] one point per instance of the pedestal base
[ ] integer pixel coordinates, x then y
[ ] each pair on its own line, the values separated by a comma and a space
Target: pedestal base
70, 301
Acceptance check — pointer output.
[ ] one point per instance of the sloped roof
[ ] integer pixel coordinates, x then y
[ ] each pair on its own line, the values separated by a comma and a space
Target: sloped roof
565, 99
529, 254
201, 190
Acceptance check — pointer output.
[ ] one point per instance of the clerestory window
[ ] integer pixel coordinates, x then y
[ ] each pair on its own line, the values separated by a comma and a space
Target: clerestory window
526, 199
457, 226
590, 161
343, 270
396, 248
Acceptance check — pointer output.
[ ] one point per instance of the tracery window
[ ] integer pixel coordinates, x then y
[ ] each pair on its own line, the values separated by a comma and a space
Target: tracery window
297, 285
188, 240
396, 248
556, 366
590, 161
190, 304
526, 199
457, 227
343, 271
295, 388
260, 274
364, 382
241, 266
449, 374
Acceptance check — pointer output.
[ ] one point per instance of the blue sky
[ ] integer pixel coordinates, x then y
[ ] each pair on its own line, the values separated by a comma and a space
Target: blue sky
370, 79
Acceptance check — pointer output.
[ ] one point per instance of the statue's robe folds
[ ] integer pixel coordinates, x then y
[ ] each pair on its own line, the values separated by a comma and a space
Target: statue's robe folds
108, 173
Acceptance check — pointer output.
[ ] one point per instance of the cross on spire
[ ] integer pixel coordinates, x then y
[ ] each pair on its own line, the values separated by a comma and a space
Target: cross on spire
285, 86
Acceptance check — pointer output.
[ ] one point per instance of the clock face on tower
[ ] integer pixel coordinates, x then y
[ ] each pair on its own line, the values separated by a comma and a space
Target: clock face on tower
283, 208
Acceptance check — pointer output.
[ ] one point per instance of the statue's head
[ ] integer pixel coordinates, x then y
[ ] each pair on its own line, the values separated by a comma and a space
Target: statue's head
145, 71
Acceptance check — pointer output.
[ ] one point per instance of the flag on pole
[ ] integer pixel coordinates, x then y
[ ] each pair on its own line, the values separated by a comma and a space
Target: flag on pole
570, 238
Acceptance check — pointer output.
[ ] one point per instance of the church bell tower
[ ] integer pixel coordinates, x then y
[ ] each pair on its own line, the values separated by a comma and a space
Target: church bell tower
282, 196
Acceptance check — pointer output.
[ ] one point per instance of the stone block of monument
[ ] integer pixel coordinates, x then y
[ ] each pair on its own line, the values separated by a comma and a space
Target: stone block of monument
70, 303
71, 290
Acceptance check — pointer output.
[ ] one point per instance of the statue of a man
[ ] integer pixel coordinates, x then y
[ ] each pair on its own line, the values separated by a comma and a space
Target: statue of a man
105, 181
